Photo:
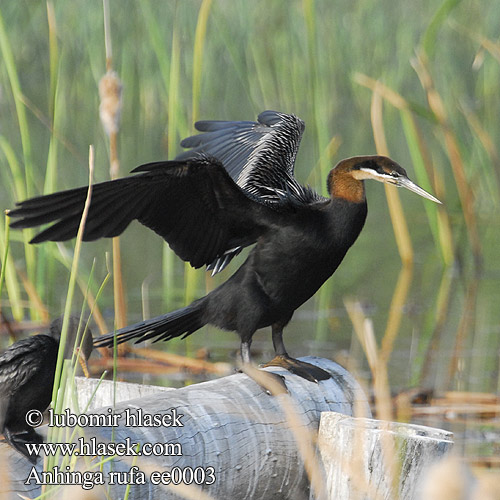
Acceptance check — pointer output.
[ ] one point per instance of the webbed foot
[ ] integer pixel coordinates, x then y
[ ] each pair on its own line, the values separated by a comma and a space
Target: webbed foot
305, 370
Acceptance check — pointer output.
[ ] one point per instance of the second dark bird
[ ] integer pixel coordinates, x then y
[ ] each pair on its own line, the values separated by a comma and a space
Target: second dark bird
235, 187
27, 370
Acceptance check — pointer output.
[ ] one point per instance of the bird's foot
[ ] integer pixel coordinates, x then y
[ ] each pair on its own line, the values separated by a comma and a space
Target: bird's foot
305, 370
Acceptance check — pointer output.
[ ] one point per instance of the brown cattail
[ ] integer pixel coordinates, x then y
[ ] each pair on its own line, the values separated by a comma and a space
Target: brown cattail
110, 92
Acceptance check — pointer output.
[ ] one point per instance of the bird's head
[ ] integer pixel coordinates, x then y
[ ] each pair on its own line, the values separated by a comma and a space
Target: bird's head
379, 168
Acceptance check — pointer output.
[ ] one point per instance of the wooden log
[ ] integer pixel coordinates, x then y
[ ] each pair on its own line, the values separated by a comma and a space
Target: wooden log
368, 459
93, 394
230, 425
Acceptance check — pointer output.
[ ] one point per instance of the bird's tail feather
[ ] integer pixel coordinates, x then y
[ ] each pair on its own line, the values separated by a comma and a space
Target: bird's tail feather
179, 323
114, 204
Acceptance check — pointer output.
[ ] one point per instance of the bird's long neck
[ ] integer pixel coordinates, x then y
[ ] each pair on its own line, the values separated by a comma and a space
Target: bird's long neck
341, 184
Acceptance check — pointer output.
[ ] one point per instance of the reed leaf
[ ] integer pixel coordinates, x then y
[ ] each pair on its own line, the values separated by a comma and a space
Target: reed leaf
400, 226
452, 146
7, 273
9, 62
199, 45
429, 40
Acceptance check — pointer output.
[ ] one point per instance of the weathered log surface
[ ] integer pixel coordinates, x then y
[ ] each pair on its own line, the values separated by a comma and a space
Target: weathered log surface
357, 454
230, 424
93, 394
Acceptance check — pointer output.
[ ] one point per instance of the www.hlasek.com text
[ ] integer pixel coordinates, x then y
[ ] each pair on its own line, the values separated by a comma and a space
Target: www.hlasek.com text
94, 448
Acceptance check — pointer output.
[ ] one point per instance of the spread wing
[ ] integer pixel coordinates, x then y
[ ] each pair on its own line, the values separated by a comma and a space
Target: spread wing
193, 204
259, 156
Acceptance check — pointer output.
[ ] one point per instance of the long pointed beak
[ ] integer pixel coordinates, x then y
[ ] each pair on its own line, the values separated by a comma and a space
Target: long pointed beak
406, 183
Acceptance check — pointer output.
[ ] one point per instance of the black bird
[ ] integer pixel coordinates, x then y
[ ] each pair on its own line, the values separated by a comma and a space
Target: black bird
234, 188
27, 370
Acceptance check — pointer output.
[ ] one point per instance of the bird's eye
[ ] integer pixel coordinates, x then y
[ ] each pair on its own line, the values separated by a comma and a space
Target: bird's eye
395, 174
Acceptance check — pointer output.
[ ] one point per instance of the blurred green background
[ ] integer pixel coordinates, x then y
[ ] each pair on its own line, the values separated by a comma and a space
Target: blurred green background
438, 68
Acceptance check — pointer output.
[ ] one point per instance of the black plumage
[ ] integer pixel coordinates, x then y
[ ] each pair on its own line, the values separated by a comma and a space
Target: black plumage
235, 187
27, 370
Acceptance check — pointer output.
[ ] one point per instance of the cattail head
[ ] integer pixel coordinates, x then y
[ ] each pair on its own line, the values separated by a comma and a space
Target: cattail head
110, 92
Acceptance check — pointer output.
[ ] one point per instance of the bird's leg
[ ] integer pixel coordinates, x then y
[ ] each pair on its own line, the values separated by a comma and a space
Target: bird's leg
279, 345
246, 342
305, 370
245, 351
